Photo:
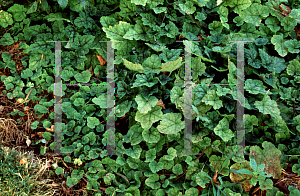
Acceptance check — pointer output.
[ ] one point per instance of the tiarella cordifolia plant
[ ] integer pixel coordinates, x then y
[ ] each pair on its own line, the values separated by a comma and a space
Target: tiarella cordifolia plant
150, 83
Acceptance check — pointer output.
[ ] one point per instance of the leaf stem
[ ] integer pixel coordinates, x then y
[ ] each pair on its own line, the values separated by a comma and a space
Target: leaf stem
164, 16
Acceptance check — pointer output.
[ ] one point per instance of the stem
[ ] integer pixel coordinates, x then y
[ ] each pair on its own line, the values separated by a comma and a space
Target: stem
164, 16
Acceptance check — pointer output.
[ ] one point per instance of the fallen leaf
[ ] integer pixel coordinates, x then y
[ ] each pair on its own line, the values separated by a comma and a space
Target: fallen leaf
40, 134
50, 129
201, 189
161, 104
215, 178
23, 161
14, 47
28, 141
20, 100
91, 70
48, 164
200, 37
285, 13
101, 59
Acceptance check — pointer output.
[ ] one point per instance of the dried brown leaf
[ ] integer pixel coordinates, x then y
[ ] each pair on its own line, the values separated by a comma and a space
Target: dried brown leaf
23, 161
50, 129
101, 59
91, 70
215, 178
285, 13
161, 104
40, 134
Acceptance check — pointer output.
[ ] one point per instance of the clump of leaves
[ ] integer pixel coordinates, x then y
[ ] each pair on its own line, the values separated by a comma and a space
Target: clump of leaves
258, 175
150, 87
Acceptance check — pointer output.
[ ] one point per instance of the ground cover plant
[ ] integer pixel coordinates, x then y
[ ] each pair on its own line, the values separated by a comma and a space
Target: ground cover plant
149, 93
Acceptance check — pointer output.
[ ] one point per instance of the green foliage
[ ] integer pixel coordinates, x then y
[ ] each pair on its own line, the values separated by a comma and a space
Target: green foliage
258, 175
269, 156
150, 85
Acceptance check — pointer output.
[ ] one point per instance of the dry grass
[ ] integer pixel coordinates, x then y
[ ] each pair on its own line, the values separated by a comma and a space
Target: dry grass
32, 175
9, 131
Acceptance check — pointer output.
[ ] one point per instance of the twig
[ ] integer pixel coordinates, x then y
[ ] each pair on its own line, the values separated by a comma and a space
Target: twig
202, 153
84, 180
164, 16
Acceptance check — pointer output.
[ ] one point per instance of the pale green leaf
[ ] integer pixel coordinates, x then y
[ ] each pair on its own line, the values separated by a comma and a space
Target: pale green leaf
176, 93
150, 155
171, 66
83, 77
291, 45
238, 5
295, 13
152, 64
223, 131
201, 179
197, 66
278, 41
188, 7
288, 23
133, 66
117, 32
144, 105
139, 2
151, 135
171, 154
273, 24
255, 86
100, 101
139, 32
92, 122
171, 123
177, 169
122, 108
56, 16
255, 13
268, 106
134, 152
145, 80
151, 181
211, 98
155, 167
149, 118
293, 68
